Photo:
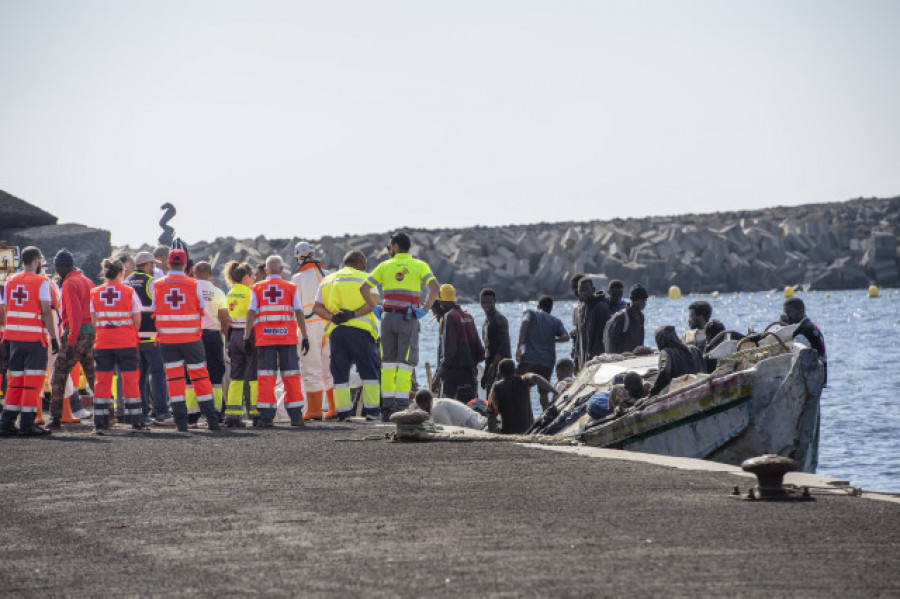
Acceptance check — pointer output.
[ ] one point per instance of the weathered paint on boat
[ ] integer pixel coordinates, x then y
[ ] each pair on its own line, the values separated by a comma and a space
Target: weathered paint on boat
769, 404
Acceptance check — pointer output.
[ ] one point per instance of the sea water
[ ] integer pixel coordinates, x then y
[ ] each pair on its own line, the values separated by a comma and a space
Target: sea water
860, 408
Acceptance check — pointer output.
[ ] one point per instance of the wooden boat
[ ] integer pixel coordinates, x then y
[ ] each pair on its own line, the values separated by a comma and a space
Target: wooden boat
759, 400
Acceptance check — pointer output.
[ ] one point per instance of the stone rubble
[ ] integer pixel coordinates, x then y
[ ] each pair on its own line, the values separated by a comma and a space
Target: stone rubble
840, 245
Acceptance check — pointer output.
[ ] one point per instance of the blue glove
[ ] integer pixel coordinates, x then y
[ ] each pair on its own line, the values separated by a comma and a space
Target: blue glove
377, 311
420, 313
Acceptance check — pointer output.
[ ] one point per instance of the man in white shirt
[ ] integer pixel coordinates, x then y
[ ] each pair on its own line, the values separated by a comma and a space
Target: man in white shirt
214, 323
450, 412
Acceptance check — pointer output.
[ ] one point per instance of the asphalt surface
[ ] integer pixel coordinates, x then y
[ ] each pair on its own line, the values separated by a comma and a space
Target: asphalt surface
288, 512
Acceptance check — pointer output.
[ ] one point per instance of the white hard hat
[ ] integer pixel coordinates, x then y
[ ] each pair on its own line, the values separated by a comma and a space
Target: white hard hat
303, 249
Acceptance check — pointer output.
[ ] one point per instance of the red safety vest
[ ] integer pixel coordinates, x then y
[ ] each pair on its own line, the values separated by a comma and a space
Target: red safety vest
23, 308
176, 309
275, 322
112, 304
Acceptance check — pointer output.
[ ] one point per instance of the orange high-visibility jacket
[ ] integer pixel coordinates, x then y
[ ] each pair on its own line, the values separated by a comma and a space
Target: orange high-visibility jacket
275, 322
112, 304
23, 308
176, 309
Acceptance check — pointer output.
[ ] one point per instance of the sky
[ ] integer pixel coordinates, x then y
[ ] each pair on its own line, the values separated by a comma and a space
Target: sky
290, 118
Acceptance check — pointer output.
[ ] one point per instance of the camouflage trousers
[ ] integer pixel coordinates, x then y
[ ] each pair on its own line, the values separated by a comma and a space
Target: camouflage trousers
84, 353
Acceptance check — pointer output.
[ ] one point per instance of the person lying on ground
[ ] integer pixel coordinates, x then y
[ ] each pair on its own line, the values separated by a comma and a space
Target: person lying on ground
449, 412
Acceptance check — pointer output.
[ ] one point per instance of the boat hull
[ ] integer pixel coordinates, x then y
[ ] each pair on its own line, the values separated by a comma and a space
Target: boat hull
772, 407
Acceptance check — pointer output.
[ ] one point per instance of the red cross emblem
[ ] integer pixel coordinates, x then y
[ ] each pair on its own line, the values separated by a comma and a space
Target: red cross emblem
110, 296
20, 295
175, 299
273, 294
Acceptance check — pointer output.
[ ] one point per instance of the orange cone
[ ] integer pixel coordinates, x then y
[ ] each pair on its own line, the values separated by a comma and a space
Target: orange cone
332, 409
40, 414
67, 416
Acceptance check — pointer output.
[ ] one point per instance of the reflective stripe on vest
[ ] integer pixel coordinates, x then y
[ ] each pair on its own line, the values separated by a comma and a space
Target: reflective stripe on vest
401, 279
177, 309
112, 304
275, 323
341, 291
23, 304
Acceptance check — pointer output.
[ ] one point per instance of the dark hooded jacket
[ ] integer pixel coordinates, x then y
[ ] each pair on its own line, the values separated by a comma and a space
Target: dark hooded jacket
675, 358
591, 319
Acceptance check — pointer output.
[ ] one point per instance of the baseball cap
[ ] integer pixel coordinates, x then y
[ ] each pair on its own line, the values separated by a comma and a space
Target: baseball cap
176, 257
144, 258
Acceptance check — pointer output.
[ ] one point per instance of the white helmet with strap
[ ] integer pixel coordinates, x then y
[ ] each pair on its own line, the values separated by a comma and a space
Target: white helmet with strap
303, 249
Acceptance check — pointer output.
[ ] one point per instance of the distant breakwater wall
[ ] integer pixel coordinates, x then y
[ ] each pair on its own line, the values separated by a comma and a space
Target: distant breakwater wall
22, 224
841, 245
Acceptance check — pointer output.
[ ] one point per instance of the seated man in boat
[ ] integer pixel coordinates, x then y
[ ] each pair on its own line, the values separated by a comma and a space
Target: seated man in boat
449, 412
510, 399
626, 394
565, 374
715, 328
795, 313
625, 330
675, 358
699, 314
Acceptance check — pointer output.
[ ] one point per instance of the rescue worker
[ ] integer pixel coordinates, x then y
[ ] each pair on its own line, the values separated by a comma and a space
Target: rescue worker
152, 375
116, 315
274, 314
177, 307
353, 334
401, 279
78, 332
215, 328
315, 373
243, 363
25, 310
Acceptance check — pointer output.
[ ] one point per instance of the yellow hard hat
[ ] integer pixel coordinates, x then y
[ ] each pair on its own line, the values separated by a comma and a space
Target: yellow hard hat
448, 293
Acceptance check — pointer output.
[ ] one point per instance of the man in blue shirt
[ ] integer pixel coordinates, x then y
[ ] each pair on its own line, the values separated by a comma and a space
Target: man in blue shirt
538, 336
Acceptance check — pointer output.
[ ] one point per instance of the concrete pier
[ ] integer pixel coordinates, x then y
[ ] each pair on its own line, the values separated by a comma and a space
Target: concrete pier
296, 512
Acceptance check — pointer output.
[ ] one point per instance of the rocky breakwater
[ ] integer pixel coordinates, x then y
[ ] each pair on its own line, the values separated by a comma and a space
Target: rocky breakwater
842, 245
22, 224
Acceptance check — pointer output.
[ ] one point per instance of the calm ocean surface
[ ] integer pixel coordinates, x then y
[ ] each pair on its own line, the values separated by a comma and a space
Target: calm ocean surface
860, 407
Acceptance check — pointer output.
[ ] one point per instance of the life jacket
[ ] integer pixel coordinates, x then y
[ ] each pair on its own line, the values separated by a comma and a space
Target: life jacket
275, 322
238, 300
340, 291
112, 305
23, 308
140, 282
176, 309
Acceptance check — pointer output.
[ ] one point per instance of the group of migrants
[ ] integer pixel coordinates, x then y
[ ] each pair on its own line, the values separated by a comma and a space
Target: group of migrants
158, 329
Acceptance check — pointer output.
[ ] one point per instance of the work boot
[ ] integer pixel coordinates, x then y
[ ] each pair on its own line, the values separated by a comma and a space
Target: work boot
344, 416
372, 414
208, 409
313, 405
332, 408
55, 424
296, 415
234, 422
8, 424
27, 427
